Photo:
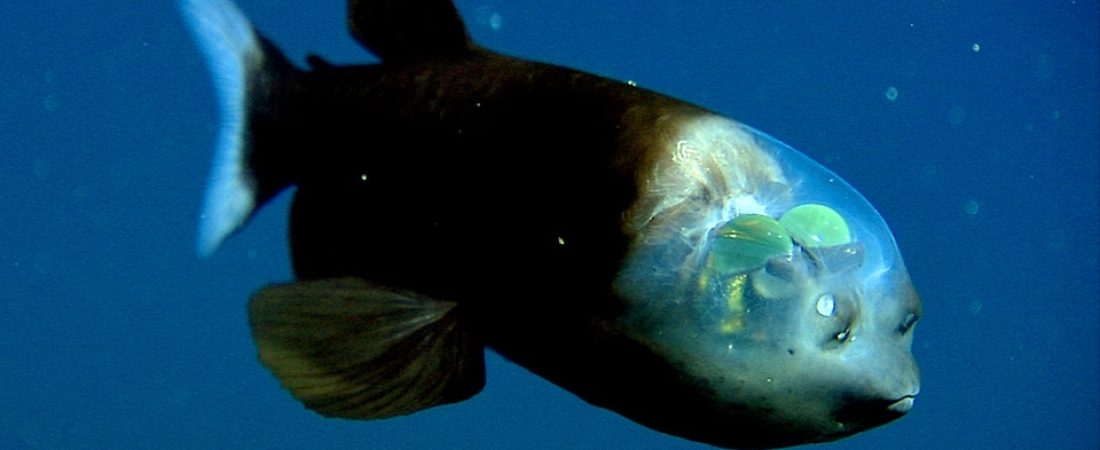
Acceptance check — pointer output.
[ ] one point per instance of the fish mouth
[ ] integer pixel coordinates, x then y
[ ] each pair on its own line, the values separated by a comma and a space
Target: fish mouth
902, 405
871, 413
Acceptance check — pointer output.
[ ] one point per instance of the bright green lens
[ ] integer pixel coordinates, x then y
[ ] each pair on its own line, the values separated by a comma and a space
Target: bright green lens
813, 225
747, 242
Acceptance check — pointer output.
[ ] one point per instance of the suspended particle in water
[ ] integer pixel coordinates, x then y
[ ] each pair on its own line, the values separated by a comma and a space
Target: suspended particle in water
929, 177
956, 115
1056, 240
891, 93
50, 103
41, 168
1044, 67
974, 305
977, 48
487, 17
972, 207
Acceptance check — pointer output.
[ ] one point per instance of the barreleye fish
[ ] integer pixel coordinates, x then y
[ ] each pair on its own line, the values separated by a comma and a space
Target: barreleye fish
654, 258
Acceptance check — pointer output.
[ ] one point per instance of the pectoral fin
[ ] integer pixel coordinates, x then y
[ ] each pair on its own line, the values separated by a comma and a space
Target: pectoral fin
348, 348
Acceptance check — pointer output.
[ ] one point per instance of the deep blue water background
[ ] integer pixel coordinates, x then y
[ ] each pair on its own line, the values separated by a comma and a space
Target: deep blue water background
113, 334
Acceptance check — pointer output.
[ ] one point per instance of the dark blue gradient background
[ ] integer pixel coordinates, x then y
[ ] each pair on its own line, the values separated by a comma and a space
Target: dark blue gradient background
113, 334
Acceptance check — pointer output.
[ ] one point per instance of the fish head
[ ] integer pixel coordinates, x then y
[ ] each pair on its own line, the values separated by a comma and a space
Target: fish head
771, 286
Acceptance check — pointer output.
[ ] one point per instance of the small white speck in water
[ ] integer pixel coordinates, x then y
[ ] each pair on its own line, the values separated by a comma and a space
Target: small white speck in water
972, 207
891, 93
485, 16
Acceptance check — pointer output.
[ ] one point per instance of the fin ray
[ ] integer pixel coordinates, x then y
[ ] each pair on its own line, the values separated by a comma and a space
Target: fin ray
232, 51
253, 79
347, 348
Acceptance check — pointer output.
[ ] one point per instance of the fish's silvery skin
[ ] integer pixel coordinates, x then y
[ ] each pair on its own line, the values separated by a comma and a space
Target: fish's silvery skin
680, 268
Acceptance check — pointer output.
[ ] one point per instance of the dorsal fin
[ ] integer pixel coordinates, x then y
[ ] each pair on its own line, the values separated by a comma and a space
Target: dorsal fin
403, 30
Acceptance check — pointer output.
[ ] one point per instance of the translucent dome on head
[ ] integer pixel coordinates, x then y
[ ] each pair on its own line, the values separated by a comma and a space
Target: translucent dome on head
825, 211
770, 281
717, 170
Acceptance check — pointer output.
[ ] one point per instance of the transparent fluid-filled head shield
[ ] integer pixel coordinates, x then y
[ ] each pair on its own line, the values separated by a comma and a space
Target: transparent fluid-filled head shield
734, 229
772, 288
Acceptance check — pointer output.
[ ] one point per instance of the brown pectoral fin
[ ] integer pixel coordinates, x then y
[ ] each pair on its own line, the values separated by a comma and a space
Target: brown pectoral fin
348, 348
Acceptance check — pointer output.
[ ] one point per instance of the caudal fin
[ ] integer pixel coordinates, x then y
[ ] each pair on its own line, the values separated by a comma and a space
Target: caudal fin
237, 57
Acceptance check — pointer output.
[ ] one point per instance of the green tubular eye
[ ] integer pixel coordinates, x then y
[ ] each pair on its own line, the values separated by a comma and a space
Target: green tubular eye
747, 242
814, 225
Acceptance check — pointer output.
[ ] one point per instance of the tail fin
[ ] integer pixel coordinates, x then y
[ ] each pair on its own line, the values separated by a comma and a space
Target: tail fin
238, 59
